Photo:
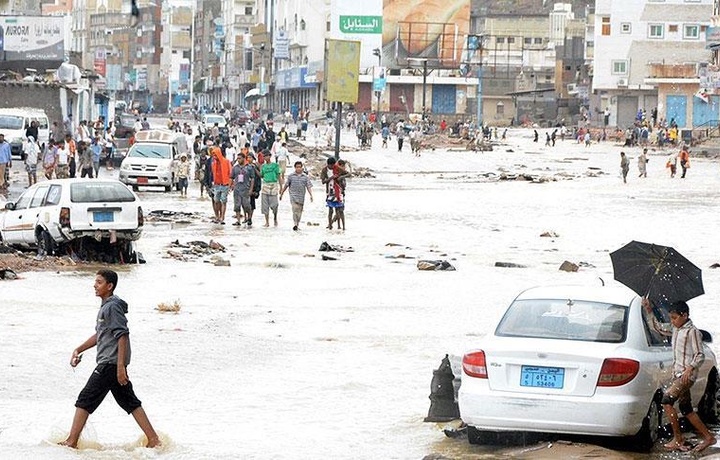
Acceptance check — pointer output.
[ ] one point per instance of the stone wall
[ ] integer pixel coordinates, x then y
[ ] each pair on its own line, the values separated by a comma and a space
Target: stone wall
36, 95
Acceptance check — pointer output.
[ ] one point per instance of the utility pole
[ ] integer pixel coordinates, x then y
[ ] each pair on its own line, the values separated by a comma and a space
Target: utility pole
377, 52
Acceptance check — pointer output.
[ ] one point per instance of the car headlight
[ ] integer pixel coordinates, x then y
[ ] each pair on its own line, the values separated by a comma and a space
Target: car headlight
125, 166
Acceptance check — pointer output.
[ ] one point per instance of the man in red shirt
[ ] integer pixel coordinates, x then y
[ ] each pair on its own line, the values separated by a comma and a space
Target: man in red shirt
221, 183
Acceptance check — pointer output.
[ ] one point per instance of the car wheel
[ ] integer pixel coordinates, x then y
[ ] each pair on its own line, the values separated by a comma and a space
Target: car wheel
44, 241
648, 434
709, 406
476, 436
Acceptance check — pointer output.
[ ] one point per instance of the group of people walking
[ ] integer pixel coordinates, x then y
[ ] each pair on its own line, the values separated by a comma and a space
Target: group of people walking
671, 163
259, 175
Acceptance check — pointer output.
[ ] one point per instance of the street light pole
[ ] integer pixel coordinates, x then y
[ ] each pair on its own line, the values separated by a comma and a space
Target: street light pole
169, 80
424, 87
192, 55
378, 93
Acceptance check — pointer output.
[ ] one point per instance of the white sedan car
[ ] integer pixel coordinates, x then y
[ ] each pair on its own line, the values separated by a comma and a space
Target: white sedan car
55, 212
575, 360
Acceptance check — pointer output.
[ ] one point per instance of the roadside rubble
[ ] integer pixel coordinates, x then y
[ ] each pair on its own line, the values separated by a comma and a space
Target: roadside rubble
197, 250
177, 217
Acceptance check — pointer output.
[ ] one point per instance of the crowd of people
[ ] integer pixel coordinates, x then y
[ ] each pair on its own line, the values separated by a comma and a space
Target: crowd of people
257, 170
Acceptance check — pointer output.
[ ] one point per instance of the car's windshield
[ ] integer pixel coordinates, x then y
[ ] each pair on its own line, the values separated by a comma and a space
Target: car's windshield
11, 122
100, 192
564, 319
127, 121
161, 151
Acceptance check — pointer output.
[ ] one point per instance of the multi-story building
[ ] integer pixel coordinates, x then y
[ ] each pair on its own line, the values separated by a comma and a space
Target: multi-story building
526, 57
238, 17
647, 55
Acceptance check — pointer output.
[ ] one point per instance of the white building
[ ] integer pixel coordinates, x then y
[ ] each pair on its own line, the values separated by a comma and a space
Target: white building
647, 55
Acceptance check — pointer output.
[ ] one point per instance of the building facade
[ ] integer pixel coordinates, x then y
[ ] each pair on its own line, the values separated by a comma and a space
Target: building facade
647, 56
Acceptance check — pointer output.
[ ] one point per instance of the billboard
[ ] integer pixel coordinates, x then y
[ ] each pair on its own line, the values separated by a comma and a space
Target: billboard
360, 21
427, 29
342, 70
32, 38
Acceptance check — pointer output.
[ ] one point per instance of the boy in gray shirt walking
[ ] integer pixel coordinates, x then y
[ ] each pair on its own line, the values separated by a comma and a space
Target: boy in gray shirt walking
113, 356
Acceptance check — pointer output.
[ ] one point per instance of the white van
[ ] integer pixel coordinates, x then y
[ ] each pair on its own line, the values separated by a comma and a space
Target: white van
14, 122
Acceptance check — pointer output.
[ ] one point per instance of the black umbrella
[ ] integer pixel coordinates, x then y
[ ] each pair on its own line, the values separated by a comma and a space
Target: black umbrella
658, 272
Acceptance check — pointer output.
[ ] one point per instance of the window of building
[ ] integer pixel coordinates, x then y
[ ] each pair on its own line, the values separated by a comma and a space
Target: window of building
527, 41
302, 24
605, 25
691, 32
511, 39
499, 39
500, 109
672, 28
248, 11
619, 67
538, 41
327, 26
656, 31
625, 28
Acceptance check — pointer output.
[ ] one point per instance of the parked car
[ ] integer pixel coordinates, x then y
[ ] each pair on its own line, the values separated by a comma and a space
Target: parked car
52, 213
242, 116
150, 160
575, 360
208, 120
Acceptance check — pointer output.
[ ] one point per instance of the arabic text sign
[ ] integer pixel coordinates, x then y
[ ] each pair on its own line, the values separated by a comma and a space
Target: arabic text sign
33, 38
281, 47
342, 70
361, 24
359, 20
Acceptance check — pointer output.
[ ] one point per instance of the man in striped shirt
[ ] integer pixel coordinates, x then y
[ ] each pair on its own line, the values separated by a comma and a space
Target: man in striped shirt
297, 182
688, 355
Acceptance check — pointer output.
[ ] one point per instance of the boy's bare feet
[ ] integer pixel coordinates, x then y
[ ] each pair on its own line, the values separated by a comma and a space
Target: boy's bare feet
677, 446
705, 444
152, 443
67, 443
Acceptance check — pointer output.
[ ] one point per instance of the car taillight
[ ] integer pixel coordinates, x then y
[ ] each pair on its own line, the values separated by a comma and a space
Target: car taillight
617, 371
141, 217
65, 217
474, 364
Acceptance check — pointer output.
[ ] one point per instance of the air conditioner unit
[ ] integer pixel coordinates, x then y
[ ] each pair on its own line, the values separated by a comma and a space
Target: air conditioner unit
572, 88
622, 82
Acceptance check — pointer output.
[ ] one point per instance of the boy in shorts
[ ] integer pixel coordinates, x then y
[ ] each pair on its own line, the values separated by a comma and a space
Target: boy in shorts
688, 356
113, 356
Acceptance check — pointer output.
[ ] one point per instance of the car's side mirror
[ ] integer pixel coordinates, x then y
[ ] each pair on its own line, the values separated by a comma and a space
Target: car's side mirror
10, 206
706, 336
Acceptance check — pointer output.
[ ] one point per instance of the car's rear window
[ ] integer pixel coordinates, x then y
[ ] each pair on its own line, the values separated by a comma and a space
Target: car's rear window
161, 151
566, 320
100, 192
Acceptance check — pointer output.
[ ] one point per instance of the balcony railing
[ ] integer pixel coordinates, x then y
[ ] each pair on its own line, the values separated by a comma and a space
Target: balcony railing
657, 70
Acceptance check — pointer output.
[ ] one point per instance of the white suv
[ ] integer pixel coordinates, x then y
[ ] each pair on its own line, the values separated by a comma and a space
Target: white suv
52, 213
149, 162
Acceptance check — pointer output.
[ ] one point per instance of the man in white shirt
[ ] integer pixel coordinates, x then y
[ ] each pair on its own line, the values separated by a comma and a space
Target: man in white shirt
63, 159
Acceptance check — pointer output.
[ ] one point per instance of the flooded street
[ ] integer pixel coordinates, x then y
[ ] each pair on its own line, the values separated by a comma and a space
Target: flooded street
283, 355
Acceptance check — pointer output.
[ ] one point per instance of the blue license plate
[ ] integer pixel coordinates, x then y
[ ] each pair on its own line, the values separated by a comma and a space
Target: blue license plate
103, 216
542, 377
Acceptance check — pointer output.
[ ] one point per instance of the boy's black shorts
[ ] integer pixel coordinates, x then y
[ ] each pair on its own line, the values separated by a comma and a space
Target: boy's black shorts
102, 380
